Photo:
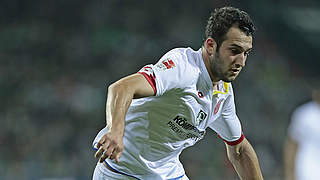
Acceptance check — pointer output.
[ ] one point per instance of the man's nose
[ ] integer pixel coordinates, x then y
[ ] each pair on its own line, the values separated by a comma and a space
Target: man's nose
241, 60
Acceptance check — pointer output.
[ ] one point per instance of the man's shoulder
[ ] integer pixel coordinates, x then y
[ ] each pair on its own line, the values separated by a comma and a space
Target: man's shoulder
181, 61
185, 56
186, 51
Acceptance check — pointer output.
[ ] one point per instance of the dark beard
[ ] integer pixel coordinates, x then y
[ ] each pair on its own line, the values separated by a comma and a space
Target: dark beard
216, 68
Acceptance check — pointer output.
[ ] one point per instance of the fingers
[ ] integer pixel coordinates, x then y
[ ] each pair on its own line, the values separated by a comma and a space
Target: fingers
116, 154
118, 157
102, 148
106, 153
100, 143
109, 148
111, 152
99, 152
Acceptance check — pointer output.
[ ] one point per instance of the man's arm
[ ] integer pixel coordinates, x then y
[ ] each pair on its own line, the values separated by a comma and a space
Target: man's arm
120, 95
244, 160
289, 154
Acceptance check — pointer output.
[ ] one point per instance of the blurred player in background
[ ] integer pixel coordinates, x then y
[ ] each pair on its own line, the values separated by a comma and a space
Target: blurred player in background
302, 147
153, 115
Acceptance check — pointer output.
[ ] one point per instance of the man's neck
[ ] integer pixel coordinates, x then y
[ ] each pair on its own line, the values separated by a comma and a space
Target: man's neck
205, 57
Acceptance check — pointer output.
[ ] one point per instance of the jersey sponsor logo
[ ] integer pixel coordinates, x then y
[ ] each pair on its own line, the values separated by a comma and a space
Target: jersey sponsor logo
184, 129
200, 94
181, 121
216, 109
200, 117
166, 64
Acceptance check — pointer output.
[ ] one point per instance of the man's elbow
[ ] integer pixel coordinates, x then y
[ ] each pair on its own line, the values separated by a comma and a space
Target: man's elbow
117, 87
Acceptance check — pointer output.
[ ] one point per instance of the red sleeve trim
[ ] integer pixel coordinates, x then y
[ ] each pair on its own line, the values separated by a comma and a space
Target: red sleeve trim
233, 143
151, 79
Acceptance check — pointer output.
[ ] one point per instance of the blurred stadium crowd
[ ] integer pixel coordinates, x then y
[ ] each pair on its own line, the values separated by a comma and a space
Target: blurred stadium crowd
58, 57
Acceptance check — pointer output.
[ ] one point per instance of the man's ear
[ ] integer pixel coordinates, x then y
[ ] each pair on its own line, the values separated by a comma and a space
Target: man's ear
210, 46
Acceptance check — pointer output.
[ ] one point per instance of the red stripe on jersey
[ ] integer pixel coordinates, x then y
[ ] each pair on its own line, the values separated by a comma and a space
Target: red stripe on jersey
151, 79
233, 143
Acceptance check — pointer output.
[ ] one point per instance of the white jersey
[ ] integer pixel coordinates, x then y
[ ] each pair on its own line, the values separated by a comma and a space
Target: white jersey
159, 127
305, 130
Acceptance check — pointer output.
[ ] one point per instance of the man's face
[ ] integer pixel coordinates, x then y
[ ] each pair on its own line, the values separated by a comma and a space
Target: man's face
228, 61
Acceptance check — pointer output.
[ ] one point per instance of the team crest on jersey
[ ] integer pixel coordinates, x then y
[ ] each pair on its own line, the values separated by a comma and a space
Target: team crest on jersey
200, 117
166, 64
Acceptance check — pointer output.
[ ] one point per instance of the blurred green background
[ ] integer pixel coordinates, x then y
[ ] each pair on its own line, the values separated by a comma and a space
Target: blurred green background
58, 57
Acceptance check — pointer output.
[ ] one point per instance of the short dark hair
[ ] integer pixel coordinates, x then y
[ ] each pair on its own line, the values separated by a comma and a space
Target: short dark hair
222, 19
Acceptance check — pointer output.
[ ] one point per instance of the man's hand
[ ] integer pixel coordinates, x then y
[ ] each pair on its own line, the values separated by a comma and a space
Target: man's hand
110, 146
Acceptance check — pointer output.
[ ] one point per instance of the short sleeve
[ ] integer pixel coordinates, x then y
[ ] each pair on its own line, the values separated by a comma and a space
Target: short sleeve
228, 125
171, 71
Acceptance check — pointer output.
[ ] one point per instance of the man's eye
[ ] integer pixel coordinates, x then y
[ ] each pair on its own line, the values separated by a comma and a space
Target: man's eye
235, 51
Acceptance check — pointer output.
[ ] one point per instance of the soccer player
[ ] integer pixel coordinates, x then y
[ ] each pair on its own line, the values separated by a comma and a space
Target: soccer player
302, 147
152, 115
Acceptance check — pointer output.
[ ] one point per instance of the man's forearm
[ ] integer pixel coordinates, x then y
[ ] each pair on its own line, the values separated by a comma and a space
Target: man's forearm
111, 144
118, 102
120, 95
245, 162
